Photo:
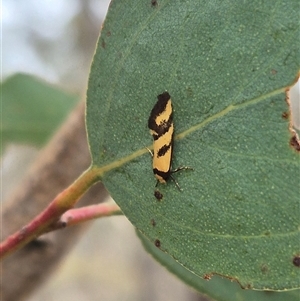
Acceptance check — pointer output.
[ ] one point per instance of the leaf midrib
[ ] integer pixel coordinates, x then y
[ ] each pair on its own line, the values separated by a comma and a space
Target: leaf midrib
101, 170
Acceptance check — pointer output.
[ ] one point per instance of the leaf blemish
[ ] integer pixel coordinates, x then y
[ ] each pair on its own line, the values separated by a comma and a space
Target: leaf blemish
157, 243
264, 268
248, 286
285, 115
158, 195
207, 276
295, 143
153, 222
154, 3
296, 261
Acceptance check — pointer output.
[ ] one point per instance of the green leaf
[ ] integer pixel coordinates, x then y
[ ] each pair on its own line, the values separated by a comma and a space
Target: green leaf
217, 288
226, 65
32, 109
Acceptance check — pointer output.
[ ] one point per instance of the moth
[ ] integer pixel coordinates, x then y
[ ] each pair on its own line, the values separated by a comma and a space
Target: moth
161, 127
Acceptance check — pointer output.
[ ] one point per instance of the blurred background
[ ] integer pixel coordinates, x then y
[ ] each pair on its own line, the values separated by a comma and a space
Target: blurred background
55, 41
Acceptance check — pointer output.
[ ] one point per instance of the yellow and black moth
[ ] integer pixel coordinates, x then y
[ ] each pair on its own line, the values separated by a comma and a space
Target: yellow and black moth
161, 128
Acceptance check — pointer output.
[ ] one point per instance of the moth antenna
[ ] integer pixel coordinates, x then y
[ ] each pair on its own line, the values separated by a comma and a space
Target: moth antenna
149, 150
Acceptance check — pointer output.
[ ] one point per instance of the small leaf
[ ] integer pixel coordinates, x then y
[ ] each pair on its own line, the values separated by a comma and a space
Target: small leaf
32, 109
226, 66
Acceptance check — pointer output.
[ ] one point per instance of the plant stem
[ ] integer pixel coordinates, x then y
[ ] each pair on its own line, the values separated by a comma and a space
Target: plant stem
61, 203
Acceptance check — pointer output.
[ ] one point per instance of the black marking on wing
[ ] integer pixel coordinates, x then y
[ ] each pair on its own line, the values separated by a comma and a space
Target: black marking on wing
162, 151
164, 175
162, 128
160, 107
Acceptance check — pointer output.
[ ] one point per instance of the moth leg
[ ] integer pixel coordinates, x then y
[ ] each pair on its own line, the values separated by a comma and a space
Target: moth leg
176, 183
181, 168
178, 169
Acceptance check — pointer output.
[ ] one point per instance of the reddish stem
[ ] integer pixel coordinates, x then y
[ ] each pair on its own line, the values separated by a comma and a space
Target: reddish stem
79, 215
62, 202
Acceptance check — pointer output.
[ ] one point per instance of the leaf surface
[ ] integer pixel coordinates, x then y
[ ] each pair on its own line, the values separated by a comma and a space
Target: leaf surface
32, 109
216, 287
226, 66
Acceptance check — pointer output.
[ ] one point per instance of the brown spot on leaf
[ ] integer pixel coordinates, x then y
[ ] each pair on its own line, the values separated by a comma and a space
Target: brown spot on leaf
207, 276
103, 43
154, 3
296, 261
264, 268
295, 143
158, 195
108, 34
157, 243
248, 286
285, 115
273, 71
153, 222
